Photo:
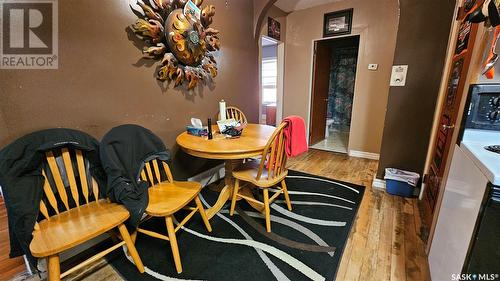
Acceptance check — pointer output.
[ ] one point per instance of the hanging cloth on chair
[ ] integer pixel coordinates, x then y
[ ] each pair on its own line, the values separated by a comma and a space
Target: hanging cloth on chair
124, 150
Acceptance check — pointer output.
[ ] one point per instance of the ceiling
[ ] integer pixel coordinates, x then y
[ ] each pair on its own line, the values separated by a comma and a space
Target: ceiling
294, 5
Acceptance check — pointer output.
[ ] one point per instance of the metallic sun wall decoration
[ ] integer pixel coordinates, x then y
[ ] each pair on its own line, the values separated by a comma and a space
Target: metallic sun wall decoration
180, 38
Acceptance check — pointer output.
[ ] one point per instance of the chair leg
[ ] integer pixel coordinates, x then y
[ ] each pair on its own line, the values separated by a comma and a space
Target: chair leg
202, 213
131, 247
53, 268
235, 196
173, 243
287, 198
267, 211
133, 237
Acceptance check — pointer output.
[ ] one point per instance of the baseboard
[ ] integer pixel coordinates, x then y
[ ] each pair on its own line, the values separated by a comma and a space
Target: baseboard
209, 176
378, 183
363, 154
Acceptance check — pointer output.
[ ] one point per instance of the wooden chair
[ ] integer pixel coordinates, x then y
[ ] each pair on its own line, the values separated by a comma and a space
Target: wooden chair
267, 172
236, 113
167, 197
71, 220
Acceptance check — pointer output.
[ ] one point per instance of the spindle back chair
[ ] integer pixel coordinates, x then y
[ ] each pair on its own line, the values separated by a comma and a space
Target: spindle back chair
166, 197
235, 113
73, 213
268, 172
156, 166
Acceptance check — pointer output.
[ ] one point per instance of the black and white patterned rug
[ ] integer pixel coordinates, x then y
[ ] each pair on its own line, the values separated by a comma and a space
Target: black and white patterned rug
306, 243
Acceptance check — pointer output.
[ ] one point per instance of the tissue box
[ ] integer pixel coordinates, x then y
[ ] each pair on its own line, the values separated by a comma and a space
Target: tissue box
199, 132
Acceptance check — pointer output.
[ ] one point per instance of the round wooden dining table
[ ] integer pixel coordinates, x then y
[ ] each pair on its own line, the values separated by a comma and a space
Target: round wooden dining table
251, 143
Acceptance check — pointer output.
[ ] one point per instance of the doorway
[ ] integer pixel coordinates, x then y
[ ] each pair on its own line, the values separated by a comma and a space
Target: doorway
271, 81
334, 74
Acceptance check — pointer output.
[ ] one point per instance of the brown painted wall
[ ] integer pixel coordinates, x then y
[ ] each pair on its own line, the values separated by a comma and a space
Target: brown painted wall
376, 22
4, 133
423, 32
103, 82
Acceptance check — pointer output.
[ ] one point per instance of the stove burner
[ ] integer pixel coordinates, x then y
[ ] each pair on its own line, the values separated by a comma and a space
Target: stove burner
493, 148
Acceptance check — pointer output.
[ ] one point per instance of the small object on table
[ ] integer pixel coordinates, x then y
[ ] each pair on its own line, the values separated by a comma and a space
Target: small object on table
196, 128
195, 122
209, 125
199, 132
223, 124
230, 128
222, 110
233, 131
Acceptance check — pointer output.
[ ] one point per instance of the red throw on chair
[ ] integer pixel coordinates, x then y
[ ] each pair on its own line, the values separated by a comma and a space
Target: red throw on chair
295, 136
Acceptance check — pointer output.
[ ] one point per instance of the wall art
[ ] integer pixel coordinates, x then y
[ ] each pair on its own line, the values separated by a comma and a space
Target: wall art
178, 35
337, 23
273, 28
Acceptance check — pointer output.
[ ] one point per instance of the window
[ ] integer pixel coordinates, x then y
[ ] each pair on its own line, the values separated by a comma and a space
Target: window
269, 80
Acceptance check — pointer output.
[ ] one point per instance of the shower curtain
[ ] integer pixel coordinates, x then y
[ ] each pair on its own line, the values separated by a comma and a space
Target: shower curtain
341, 88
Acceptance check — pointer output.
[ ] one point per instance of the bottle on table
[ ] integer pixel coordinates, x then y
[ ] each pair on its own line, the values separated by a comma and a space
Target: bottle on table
210, 135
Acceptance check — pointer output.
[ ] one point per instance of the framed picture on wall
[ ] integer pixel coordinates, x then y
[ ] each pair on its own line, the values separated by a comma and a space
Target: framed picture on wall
273, 28
337, 23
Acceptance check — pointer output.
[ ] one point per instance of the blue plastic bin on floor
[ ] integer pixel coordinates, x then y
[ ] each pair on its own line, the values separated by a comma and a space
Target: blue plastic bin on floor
399, 188
399, 182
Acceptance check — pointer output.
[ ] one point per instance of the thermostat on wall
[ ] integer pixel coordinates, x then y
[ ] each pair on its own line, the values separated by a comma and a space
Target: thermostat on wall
398, 76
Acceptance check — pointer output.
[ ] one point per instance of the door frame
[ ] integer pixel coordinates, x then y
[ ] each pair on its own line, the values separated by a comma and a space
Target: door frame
280, 72
280, 81
311, 78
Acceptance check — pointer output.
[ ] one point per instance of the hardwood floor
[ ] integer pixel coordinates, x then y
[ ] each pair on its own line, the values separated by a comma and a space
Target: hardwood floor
386, 242
8, 267
387, 239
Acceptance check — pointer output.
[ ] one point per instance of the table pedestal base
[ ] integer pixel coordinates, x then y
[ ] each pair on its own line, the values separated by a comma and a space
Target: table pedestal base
227, 190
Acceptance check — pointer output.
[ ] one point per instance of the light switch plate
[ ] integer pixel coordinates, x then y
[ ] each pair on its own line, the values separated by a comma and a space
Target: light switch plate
372, 66
398, 76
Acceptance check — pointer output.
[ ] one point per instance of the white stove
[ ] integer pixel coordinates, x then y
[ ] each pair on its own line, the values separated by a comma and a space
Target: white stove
468, 222
474, 143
